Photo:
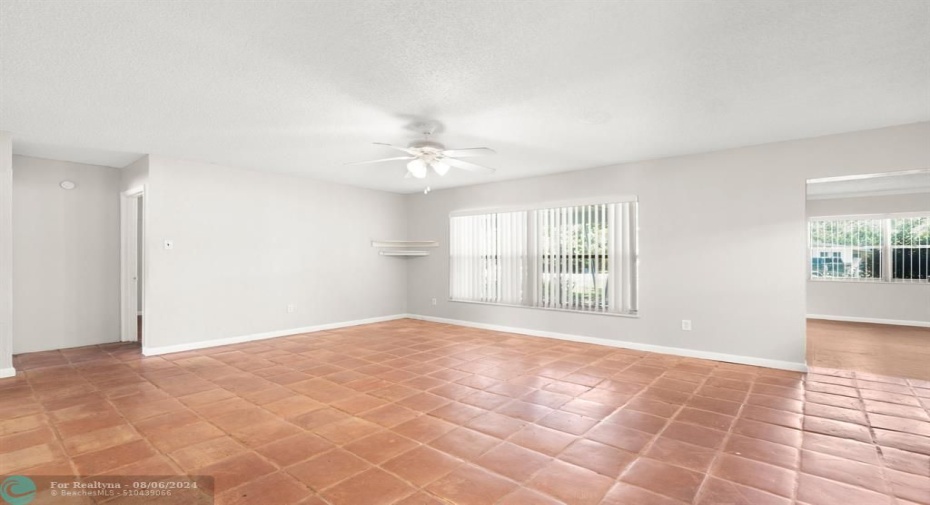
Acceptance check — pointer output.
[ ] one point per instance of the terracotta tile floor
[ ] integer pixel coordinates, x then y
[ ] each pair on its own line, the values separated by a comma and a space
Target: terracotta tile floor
413, 412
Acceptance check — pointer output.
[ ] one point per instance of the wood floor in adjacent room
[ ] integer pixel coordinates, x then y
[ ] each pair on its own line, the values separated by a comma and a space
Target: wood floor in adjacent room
902, 351
411, 412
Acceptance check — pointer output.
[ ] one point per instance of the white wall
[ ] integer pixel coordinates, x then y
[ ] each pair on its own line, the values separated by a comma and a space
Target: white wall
722, 241
917, 202
66, 255
247, 244
6, 255
883, 302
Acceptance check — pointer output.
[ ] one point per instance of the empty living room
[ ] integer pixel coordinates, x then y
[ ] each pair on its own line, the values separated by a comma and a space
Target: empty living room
453, 252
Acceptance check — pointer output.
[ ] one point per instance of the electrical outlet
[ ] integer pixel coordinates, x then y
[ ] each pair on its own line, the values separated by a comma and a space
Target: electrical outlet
686, 324
290, 309
434, 301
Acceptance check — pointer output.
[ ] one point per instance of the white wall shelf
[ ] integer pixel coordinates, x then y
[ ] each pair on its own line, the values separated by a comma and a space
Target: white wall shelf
404, 248
404, 253
403, 243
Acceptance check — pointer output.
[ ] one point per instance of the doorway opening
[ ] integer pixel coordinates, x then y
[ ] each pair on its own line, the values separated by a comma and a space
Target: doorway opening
132, 256
868, 279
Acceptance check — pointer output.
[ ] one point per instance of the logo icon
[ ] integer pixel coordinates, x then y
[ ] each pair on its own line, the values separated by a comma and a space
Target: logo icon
17, 490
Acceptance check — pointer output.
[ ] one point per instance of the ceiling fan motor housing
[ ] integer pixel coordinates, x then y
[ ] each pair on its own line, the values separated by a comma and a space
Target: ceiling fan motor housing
427, 145
426, 155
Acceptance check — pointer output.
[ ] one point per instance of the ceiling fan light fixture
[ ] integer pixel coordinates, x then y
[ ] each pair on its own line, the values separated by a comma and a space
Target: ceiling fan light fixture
417, 168
425, 156
441, 167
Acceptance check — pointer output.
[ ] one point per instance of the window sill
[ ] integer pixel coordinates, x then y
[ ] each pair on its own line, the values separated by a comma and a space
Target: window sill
550, 309
873, 281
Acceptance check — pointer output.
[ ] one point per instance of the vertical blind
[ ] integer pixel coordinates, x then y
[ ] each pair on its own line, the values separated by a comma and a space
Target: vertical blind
586, 258
580, 257
488, 257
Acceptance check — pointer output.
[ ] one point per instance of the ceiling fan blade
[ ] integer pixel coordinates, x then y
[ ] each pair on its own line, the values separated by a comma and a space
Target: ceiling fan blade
381, 160
404, 149
467, 165
469, 151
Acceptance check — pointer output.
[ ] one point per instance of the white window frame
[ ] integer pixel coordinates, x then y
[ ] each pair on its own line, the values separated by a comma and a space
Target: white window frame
887, 248
892, 247
629, 244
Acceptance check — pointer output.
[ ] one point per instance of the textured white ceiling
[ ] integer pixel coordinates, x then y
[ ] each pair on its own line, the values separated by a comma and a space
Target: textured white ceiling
302, 87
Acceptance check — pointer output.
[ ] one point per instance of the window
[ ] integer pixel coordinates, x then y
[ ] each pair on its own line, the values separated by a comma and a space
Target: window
910, 248
849, 249
893, 248
577, 257
488, 257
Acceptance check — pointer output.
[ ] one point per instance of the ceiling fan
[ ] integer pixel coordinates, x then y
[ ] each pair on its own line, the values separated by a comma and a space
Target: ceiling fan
425, 155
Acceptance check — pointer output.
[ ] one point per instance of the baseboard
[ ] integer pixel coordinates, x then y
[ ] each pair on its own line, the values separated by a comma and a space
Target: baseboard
7, 372
168, 349
894, 322
677, 351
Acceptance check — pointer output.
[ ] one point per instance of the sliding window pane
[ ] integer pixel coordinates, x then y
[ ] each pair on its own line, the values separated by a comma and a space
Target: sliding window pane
579, 258
846, 249
910, 248
488, 257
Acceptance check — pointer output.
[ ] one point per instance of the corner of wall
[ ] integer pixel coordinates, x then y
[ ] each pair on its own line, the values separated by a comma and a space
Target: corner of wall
6, 255
409, 267
135, 174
